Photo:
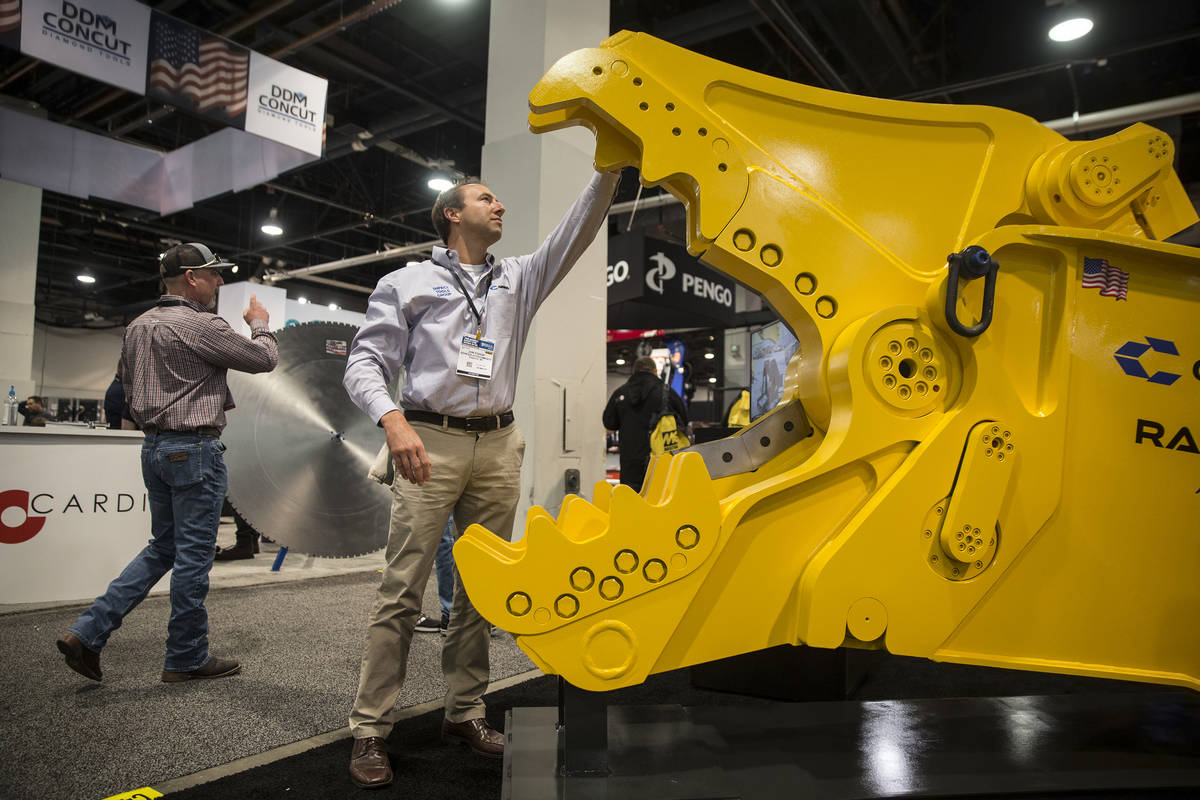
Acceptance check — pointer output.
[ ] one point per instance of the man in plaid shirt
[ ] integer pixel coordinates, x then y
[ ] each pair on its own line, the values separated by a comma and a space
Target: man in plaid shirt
173, 364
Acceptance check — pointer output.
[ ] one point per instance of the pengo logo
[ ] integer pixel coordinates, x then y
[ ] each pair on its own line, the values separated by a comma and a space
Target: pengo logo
662, 271
18, 498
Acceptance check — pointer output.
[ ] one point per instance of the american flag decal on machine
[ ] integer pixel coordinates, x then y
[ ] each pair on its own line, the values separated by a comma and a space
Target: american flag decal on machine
1111, 281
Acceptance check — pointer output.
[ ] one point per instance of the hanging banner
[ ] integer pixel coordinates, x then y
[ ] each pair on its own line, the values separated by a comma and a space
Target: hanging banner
286, 104
126, 44
197, 71
103, 39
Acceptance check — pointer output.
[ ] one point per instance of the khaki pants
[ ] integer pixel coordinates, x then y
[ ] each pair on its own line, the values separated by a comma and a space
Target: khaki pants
477, 476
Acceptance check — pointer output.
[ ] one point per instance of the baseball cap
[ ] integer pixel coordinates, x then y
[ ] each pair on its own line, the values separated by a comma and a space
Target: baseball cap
193, 255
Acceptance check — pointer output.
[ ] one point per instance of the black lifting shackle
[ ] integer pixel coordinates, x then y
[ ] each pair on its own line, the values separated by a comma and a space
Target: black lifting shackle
972, 263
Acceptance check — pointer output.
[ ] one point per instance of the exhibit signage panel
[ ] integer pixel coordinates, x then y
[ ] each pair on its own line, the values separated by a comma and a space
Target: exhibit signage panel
286, 104
73, 511
665, 275
126, 44
103, 39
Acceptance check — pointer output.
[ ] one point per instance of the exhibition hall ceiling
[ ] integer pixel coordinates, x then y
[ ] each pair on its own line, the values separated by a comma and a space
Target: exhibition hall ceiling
407, 94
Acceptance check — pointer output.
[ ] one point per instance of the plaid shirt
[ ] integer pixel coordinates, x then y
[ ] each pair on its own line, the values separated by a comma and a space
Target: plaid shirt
174, 359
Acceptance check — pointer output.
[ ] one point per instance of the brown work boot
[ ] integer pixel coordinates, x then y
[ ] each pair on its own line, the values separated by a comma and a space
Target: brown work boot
79, 658
369, 765
215, 668
476, 734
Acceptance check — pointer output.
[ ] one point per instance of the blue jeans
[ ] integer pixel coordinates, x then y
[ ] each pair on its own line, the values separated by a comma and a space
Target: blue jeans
443, 564
185, 482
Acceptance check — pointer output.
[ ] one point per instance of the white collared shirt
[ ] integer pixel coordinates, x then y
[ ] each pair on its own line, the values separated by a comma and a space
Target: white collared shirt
417, 316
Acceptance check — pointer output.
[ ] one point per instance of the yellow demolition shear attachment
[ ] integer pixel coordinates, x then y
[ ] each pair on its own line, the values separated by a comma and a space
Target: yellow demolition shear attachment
965, 466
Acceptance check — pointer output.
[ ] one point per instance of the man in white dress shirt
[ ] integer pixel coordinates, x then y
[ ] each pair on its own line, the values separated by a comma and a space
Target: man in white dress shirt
457, 323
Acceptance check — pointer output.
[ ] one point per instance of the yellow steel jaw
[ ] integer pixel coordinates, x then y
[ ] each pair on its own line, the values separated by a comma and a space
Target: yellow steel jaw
1020, 494
580, 566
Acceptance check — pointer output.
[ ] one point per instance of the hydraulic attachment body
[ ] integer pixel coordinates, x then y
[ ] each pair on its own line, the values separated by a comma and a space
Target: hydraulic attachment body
988, 457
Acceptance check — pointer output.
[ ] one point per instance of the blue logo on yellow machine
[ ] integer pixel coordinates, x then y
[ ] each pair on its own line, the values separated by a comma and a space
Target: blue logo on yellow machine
1130, 353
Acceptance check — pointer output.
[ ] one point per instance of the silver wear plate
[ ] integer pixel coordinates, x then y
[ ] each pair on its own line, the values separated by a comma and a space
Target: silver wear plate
756, 444
299, 449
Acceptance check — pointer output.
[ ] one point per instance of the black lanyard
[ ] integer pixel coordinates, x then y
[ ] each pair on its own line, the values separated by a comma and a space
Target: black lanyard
471, 303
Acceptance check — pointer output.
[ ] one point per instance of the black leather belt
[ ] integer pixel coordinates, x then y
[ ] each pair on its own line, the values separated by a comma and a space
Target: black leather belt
494, 422
203, 430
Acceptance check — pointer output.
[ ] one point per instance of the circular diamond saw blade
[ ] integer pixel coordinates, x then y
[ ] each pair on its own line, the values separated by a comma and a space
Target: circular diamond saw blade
299, 449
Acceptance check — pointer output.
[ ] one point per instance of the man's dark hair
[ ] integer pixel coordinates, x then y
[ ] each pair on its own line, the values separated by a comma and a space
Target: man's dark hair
37, 399
449, 198
645, 364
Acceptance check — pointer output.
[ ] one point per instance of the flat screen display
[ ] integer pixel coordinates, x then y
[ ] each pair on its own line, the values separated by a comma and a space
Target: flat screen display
771, 347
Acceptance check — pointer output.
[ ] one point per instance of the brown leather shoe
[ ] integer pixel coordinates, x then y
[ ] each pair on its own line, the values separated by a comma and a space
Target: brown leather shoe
84, 661
215, 668
476, 734
369, 765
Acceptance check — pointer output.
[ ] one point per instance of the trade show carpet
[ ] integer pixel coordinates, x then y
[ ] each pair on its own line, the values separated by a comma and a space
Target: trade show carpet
277, 730
300, 646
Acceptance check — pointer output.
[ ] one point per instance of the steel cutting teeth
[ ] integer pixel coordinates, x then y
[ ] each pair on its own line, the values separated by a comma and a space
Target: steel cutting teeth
299, 449
571, 572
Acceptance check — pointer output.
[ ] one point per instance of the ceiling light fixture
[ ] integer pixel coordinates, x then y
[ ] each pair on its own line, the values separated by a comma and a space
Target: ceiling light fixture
234, 269
620, 362
1071, 29
302, 300
712, 380
271, 226
709, 354
84, 277
439, 184
334, 307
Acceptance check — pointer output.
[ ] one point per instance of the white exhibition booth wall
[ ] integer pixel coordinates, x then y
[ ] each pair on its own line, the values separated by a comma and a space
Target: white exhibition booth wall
73, 508
81, 363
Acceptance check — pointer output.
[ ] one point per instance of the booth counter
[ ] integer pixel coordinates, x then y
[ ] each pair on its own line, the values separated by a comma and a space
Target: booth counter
73, 511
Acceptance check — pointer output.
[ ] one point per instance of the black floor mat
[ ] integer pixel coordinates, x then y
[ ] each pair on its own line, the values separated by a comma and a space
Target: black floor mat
427, 769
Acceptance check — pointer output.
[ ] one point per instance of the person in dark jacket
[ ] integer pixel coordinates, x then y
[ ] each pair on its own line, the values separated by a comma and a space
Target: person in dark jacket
629, 412
116, 410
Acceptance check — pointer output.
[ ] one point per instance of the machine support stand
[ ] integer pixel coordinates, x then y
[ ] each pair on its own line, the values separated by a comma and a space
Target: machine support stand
582, 732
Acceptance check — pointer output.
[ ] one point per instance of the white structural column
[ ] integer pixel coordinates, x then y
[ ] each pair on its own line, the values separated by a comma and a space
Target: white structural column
20, 224
561, 391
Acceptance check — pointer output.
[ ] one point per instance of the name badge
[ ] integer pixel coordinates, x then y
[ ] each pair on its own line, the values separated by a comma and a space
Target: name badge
476, 357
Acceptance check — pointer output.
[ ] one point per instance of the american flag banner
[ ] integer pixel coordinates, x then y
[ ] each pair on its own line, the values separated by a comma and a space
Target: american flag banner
188, 62
1111, 281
